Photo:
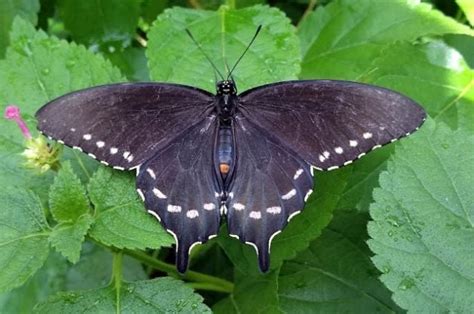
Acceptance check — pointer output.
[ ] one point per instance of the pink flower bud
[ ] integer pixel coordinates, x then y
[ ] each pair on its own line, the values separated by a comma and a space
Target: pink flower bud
13, 113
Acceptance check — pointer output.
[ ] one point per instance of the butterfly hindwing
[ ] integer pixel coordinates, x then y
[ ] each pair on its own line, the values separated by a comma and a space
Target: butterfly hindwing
331, 123
179, 187
123, 124
272, 186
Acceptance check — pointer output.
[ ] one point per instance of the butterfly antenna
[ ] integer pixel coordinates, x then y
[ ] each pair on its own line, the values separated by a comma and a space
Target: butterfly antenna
205, 55
245, 51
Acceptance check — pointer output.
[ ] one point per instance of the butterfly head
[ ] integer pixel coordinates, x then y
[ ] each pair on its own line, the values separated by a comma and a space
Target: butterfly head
226, 87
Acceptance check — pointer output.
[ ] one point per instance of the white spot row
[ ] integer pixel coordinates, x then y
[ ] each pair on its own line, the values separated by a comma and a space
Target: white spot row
297, 173
289, 195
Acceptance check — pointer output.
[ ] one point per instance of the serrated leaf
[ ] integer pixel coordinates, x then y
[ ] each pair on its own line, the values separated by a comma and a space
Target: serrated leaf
67, 237
49, 67
335, 274
435, 76
112, 22
423, 226
120, 218
348, 35
67, 196
27, 9
163, 295
23, 237
224, 36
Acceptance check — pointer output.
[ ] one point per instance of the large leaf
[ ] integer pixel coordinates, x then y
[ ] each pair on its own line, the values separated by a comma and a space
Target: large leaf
108, 24
23, 237
163, 295
27, 9
341, 39
468, 7
224, 36
120, 217
38, 68
67, 196
335, 274
423, 226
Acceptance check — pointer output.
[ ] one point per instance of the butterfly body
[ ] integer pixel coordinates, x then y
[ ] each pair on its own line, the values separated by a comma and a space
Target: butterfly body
249, 157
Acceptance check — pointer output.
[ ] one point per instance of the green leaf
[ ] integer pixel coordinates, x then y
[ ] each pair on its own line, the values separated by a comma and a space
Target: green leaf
120, 218
163, 295
252, 294
27, 9
468, 8
423, 226
109, 24
224, 36
23, 237
341, 39
94, 269
131, 62
67, 196
335, 274
48, 280
67, 237
434, 75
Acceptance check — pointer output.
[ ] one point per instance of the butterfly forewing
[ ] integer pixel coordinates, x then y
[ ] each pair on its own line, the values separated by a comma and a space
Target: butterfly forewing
331, 123
271, 185
123, 124
179, 188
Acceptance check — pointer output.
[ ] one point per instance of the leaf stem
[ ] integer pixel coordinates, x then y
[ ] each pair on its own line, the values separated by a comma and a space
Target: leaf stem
309, 9
117, 277
207, 282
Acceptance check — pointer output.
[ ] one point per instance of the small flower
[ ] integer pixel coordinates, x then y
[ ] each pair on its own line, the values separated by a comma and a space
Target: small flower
38, 153
12, 112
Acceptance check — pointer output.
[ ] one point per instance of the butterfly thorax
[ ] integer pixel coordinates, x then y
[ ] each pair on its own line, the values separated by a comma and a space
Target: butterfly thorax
226, 100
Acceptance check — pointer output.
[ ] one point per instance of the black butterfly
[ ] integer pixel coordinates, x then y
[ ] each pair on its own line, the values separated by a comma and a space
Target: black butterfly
248, 157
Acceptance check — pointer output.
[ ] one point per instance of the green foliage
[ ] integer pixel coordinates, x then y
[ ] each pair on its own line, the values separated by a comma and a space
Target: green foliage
168, 295
423, 214
110, 255
27, 9
120, 217
224, 35
23, 237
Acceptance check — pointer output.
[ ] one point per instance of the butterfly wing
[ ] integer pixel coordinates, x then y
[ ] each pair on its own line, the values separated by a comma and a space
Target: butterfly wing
123, 124
179, 187
331, 123
271, 185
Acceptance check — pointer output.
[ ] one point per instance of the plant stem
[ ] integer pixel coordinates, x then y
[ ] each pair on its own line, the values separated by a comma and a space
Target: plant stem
117, 277
207, 282
309, 9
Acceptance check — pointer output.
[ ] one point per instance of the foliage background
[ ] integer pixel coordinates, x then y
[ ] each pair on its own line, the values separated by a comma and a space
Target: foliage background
390, 233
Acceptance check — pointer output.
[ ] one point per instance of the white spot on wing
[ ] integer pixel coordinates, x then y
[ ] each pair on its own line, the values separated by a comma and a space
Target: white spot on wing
252, 244
338, 150
361, 155
119, 168
87, 137
92, 155
173, 208
376, 146
333, 168
209, 206
297, 174
100, 144
255, 215
353, 143
293, 215
113, 150
271, 239
130, 158
367, 135
289, 195
192, 213
326, 154
321, 158
72, 129
274, 210
151, 173
60, 142
125, 155
159, 194
193, 245
104, 162
307, 195
239, 206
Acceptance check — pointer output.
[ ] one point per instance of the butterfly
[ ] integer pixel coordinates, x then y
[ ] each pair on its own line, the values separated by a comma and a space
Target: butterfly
248, 157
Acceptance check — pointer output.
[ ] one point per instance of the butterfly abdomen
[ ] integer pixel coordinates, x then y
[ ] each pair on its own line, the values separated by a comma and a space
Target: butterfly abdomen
225, 150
